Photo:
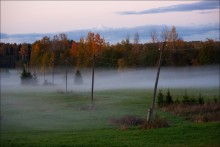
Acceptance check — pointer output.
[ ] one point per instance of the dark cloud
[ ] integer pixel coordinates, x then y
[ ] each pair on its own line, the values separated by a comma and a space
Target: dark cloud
203, 5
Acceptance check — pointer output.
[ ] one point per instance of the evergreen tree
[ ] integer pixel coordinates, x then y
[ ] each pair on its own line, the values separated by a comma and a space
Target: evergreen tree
160, 99
169, 99
78, 77
27, 77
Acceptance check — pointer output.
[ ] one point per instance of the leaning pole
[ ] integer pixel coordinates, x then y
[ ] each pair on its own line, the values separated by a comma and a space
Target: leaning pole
151, 110
93, 70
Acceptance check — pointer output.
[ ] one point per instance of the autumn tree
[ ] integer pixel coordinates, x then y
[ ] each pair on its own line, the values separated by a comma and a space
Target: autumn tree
64, 43
49, 53
24, 52
172, 40
45, 51
121, 64
35, 54
38, 51
173, 37
94, 45
81, 53
45, 61
73, 51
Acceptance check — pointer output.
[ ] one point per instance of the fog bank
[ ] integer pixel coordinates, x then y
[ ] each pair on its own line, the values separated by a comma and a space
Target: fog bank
106, 79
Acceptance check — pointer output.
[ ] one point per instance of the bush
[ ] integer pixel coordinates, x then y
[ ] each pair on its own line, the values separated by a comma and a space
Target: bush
129, 121
160, 99
157, 122
197, 112
126, 121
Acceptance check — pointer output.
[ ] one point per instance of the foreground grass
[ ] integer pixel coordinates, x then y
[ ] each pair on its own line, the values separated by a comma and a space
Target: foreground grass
55, 119
188, 135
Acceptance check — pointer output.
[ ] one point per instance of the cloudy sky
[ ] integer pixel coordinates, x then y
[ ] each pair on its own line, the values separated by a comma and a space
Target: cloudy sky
20, 17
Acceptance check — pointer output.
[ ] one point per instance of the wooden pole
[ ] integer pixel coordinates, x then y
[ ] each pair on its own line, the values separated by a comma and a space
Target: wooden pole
53, 72
66, 75
151, 110
93, 71
44, 73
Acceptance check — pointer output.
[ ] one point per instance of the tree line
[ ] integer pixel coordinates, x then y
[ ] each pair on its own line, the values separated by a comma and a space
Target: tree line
56, 51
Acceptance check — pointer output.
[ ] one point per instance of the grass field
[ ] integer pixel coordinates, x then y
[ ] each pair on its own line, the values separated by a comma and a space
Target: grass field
51, 118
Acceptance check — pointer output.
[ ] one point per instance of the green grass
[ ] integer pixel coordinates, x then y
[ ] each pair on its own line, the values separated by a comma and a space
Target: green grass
187, 135
48, 118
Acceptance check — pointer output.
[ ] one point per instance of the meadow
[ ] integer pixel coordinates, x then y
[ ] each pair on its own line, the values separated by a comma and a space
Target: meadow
30, 117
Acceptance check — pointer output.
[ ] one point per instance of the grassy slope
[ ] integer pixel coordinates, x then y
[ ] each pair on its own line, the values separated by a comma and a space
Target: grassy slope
53, 119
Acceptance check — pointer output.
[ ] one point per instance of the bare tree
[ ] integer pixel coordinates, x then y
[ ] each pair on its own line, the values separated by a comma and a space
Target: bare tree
136, 38
127, 40
165, 36
136, 43
154, 36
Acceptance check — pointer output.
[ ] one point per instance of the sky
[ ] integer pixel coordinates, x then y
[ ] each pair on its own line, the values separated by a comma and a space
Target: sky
20, 17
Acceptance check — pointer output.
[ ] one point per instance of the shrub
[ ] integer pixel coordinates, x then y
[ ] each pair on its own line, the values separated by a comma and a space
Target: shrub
160, 99
126, 121
197, 112
157, 122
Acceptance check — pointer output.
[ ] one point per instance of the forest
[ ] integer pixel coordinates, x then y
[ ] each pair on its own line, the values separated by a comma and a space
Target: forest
129, 53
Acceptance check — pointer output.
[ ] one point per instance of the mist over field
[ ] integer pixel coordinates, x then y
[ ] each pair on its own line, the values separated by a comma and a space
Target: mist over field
106, 79
47, 107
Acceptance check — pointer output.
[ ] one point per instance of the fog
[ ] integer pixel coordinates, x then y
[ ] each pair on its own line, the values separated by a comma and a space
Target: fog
106, 79
40, 107
182, 77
